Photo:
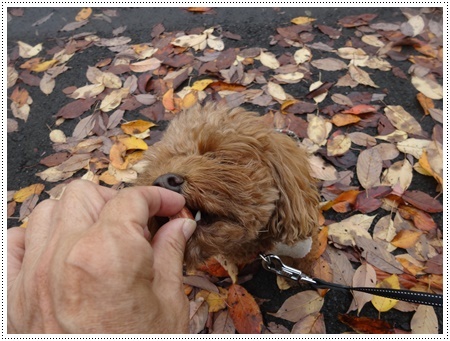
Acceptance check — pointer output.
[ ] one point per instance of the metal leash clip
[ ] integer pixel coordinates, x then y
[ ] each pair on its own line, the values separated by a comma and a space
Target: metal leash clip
274, 264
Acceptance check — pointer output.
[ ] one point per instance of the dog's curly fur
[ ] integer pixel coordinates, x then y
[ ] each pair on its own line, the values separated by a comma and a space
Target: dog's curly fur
251, 183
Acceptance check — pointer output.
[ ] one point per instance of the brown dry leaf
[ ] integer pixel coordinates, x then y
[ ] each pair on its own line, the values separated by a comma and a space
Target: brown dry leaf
223, 324
422, 201
318, 129
365, 325
321, 170
413, 26
368, 168
197, 41
402, 120
425, 102
21, 112
362, 139
53, 174
117, 155
413, 146
114, 99
424, 321
27, 206
300, 305
88, 91
303, 55
74, 163
47, 84
411, 265
198, 315
432, 161
341, 120
83, 14
310, 324
365, 276
428, 87
24, 193
145, 65
352, 53
338, 145
406, 238
329, 64
12, 76
345, 231
268, 59
398, 176
360, 76
276, 91
422, 220
244, 311
136, 127
28, 51
19, 96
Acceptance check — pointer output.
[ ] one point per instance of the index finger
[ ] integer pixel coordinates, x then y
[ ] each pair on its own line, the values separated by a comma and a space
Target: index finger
133, 207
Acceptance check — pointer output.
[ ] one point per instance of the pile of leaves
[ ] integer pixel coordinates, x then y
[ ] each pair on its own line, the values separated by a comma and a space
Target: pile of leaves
364, 152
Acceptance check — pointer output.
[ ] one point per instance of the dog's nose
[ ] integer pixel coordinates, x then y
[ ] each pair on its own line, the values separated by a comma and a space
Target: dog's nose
170, 181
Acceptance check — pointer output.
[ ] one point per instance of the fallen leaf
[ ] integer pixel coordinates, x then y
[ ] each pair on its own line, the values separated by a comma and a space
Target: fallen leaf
44, 66
318, 129
345, 231
422, 201
303, 55
276, 91
28, 51
341, 120
364, 276
47, 84
368, 168
302, 20
366, 325
24, 193
329, 64
362, 139
193, 40
402, 120
114, 99
244, 311
406, 238
361, 76
360, 109
400, 174
299, 306
145, 65
383, 304
136, 127
428, 87
198, 315
74, 163
27, 206
425, 102
52, 174
223, 324
310, 324
338, 145
413, 26
413, 146
422, 220
424, 321
83, 14
88, 91
268, 59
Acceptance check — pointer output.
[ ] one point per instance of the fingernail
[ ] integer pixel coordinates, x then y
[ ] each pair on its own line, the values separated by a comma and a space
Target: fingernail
188, 228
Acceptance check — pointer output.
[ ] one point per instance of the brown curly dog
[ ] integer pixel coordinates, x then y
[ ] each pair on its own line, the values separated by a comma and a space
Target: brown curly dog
251, 184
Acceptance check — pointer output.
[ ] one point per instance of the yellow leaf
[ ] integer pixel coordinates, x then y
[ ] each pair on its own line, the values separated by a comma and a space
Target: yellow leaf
117, 155
201, 84
383, 304
83, 14
108, 178
216, 301
114, 99
44, 66
134, 157
22, 194
189, 100
136, 127
302, 20
286, 104
132, 142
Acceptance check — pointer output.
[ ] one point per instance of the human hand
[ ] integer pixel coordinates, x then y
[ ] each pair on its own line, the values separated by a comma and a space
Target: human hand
84, 264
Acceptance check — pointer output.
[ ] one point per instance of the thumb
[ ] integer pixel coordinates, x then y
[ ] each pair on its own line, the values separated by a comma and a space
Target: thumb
168, 246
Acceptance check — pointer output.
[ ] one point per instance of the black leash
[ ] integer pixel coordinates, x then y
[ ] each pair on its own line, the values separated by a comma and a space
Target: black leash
274, 264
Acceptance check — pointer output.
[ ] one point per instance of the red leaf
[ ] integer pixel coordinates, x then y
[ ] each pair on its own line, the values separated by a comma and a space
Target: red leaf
422, 201
365, 325
421, 219
244, 311
360, 109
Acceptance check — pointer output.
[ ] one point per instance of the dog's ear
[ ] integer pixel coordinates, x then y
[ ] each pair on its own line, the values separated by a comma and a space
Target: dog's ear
296, 215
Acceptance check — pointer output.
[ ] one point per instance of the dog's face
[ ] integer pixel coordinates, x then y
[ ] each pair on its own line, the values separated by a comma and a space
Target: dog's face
248, 185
